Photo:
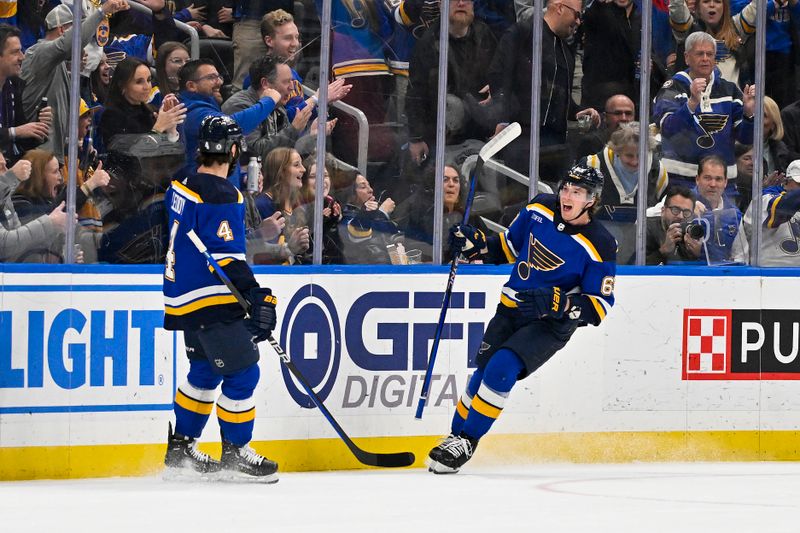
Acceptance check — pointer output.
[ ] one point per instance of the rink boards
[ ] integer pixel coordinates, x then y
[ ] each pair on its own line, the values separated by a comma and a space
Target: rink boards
691, 364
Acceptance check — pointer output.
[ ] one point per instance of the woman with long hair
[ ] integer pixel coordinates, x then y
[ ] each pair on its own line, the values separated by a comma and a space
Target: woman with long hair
367, 228
171, 56
282, 170
303, 216
38, 197
99, 82
283, 174
127, 110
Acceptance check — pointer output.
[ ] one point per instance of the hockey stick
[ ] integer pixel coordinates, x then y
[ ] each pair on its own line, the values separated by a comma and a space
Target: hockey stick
498, 142
390, 460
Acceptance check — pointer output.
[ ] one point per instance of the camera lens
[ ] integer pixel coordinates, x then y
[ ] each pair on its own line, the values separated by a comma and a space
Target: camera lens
695, 230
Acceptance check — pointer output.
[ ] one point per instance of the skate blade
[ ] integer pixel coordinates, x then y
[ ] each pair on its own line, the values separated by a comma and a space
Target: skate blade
187, 474
439, 468
233, 476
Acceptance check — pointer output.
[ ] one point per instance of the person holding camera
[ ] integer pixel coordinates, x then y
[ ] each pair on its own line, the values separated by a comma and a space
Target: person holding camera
716, 212
667, 240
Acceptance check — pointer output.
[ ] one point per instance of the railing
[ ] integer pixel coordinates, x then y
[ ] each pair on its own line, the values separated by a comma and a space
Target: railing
363, 129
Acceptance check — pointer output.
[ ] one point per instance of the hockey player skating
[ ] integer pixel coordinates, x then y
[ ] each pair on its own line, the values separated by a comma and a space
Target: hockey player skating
563, 277
220, 342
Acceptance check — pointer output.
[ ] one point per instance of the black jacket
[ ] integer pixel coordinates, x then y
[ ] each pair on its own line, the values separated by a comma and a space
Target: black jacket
510, 76
121, 118
12, 116
468, 61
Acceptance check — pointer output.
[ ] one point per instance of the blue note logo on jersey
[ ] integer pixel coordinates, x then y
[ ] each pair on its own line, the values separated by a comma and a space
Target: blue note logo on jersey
311, 336
542, 258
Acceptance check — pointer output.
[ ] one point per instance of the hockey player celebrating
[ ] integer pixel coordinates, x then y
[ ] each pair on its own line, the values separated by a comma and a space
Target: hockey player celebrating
220, 342
563, 277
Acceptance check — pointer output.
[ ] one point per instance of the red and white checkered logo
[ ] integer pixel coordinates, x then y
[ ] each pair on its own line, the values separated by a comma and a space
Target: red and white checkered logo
706, 343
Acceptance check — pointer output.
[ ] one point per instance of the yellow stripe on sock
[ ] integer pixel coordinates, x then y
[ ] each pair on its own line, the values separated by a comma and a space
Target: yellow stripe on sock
195, 406
486, 409
462, 410
236, 418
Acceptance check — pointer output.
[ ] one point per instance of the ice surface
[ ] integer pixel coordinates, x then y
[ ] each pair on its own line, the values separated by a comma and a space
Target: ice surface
619, 498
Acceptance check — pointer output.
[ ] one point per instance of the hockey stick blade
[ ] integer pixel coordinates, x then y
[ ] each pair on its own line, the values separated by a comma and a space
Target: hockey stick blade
389, 460
500, 141
386, 460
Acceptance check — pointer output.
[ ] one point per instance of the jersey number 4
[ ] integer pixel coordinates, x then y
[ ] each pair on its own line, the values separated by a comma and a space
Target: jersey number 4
224, 231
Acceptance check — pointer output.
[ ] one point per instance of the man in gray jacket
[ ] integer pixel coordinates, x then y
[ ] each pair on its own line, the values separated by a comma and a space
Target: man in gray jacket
276, 131
44, 67
17, 239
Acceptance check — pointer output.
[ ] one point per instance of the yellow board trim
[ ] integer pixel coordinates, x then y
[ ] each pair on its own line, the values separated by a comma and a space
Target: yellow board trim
236, 418
484, 408
195, 406
72, 462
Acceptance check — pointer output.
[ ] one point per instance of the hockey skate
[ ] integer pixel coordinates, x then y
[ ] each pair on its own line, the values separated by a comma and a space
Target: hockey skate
243, 463
451, 454
183, 456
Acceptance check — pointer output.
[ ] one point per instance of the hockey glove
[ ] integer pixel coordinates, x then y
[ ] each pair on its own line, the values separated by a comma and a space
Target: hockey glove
542, 302
262, 313
467, 240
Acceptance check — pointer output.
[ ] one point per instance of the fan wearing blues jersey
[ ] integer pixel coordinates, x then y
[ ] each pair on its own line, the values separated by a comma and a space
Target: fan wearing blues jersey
221, 341
563, 278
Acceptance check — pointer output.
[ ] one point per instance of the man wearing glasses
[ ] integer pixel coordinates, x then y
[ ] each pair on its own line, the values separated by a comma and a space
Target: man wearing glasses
199, 90
619, 109
667, 240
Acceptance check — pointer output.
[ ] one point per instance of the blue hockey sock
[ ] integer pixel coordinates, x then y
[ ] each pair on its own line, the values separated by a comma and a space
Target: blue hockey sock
236, 408
499, 378
194, 400
462, 408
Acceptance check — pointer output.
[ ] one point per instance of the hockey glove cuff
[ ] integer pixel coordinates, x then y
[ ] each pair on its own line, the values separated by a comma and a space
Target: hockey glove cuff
542, 302
262, 313
467, 240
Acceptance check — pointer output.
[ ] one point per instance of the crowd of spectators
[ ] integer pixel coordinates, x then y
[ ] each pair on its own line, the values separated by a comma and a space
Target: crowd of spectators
143, 97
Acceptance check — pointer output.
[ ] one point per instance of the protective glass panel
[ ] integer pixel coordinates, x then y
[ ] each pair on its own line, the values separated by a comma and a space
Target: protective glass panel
703, 116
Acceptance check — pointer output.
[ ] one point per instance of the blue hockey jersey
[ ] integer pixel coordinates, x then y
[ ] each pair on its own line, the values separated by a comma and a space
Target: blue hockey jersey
193, 294
548, 252
688, 135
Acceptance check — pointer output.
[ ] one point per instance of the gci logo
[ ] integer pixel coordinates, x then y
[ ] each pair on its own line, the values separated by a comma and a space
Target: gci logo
316, 347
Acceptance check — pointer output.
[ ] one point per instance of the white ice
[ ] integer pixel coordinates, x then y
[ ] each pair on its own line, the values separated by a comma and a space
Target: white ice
618, 498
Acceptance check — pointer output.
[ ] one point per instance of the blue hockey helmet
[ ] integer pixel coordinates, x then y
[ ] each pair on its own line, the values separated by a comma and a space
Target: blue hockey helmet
218, 133
584, 176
